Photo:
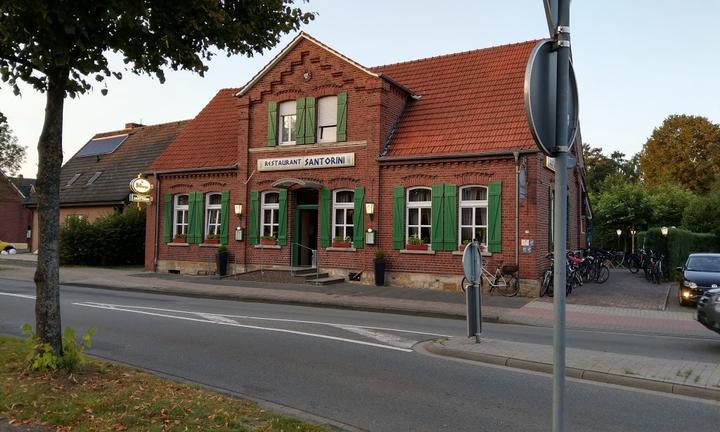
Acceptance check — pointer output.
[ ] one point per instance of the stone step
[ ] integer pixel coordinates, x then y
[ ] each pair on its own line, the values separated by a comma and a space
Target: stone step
326, 280
316, 275
304, 271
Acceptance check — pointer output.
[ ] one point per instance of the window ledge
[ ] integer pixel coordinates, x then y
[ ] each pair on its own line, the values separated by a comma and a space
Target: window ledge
178, 244
417, 252
215, 245
261, 246
340, 249
459, 252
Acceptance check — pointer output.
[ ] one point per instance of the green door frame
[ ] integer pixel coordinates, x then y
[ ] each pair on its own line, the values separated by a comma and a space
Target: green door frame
296, 231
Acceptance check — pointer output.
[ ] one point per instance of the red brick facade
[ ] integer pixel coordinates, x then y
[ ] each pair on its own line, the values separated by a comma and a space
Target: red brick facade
15, 219
376, 104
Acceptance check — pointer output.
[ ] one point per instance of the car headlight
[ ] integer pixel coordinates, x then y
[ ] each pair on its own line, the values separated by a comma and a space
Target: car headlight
689, 284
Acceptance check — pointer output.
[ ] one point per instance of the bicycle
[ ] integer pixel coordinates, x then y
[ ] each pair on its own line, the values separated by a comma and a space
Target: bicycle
505, 280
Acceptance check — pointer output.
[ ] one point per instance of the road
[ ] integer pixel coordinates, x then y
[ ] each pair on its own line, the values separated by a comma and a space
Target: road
358, 369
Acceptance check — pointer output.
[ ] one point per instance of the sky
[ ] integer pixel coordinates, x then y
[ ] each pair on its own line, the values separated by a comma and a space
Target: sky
636, 62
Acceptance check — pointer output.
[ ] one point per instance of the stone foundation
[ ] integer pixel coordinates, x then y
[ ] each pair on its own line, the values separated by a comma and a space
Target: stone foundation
195, 268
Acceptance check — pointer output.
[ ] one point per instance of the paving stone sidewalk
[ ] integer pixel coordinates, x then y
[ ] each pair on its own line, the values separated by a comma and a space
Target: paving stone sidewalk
688, 378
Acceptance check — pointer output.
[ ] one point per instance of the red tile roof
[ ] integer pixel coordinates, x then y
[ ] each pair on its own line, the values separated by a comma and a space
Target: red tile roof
470, 102
209, 140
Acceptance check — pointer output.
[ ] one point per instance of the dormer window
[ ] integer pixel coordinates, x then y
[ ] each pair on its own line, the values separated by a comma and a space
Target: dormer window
287, 114
73, 179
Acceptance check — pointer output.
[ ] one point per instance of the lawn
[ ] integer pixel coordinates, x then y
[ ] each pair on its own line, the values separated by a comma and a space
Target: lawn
103, 396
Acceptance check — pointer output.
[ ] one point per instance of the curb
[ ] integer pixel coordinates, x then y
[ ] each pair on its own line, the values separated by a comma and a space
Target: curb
330, 303
583, 374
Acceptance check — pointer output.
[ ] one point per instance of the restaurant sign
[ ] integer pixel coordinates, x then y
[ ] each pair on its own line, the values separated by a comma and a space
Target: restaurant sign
307, 162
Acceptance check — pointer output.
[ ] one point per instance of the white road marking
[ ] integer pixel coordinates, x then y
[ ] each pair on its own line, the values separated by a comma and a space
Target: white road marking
27, 296
389, 339
339, 325
217, 318
320, 336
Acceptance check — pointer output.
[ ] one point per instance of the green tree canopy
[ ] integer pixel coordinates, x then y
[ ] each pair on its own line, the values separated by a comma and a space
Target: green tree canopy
667, 203
61, 47
702, 214
601, 170
12, 154
620, 206
685, 150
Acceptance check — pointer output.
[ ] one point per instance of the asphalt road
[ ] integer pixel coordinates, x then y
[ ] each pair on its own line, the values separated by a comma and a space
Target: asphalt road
358, 368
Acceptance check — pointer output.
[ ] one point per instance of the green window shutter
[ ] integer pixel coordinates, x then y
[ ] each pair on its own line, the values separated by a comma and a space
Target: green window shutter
494, 217
282, 218
167, 226
342, 117
450, 218
300, 121
224, 222
436, 229
324, 217
195, 219
398, 235
272, 124
254, 212
358, 218
309, 120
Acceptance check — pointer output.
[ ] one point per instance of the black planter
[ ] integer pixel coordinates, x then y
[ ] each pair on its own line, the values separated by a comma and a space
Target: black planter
221, 259
379, 272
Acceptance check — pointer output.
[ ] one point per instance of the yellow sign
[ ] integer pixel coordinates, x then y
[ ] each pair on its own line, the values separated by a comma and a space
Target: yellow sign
138, 198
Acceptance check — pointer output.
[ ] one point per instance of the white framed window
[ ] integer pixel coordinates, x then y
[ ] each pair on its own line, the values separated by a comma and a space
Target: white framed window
473, 214
286, 123
419, 214
343, 210
213, 204
327, 119
269, 215
180, 215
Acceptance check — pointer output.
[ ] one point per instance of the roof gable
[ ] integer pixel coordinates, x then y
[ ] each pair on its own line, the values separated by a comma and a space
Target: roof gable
285, 51
470, 102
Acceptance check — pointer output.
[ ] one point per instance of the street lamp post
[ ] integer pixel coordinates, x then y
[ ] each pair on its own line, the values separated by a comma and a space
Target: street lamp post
632, 234
619, 233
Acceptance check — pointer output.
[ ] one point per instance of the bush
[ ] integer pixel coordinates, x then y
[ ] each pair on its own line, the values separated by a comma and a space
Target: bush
42, 357
678, 245
116, 239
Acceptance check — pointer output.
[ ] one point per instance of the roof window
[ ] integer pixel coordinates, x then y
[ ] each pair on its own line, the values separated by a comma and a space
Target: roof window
73, 179
94, 177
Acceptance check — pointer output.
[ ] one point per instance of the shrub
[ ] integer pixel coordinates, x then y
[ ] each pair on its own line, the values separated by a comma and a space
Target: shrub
116, 239
42, 357
678, 245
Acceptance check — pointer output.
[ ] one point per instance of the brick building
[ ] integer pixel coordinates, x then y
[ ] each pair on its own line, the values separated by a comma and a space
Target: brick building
15, 219
317, 150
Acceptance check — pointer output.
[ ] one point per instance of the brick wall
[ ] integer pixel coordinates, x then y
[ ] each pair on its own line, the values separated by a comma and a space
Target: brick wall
14, 218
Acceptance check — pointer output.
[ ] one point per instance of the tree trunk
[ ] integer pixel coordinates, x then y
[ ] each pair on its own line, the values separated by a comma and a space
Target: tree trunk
47, 273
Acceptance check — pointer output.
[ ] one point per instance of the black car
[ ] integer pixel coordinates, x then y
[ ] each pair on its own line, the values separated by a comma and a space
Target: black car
700, 273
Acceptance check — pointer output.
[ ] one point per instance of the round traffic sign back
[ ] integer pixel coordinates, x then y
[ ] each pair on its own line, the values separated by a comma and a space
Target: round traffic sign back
541, 98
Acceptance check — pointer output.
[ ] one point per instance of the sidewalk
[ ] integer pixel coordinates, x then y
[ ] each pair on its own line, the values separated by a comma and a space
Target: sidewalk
696, 379
681, 377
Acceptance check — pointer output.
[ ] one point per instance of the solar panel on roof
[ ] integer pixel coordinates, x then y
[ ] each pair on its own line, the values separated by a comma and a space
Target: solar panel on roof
105, 145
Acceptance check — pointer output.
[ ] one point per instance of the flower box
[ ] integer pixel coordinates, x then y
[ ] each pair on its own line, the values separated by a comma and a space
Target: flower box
212, 241
341, 244
417, 247
179, 239
268, 242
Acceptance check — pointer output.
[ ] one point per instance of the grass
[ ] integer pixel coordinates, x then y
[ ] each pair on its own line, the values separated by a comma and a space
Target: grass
103, 396
684, 373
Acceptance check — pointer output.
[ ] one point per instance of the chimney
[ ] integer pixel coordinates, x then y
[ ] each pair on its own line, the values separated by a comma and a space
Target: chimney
20, 176
133, 125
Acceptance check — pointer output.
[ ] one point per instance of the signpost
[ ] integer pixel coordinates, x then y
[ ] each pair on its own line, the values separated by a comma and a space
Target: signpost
550, 88
472, 266
137, 198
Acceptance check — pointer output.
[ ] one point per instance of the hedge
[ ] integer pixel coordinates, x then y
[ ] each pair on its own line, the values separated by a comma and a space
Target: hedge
116, 239
678, 245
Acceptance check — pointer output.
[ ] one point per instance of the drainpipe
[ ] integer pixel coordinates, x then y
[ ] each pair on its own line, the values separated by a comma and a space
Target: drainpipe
517, 207
157, 222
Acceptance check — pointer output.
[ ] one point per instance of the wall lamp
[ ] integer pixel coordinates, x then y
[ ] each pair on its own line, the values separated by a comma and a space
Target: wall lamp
238, 210
619, 232
664, 231
370, 209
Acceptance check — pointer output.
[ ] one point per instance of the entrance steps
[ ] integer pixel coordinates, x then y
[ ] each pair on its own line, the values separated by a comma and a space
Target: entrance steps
313, 277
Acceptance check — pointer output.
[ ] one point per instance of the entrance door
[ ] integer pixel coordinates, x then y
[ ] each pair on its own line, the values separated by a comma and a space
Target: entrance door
307, 235
306, 226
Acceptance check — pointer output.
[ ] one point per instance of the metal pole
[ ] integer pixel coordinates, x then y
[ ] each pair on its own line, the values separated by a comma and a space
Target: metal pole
562, 129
